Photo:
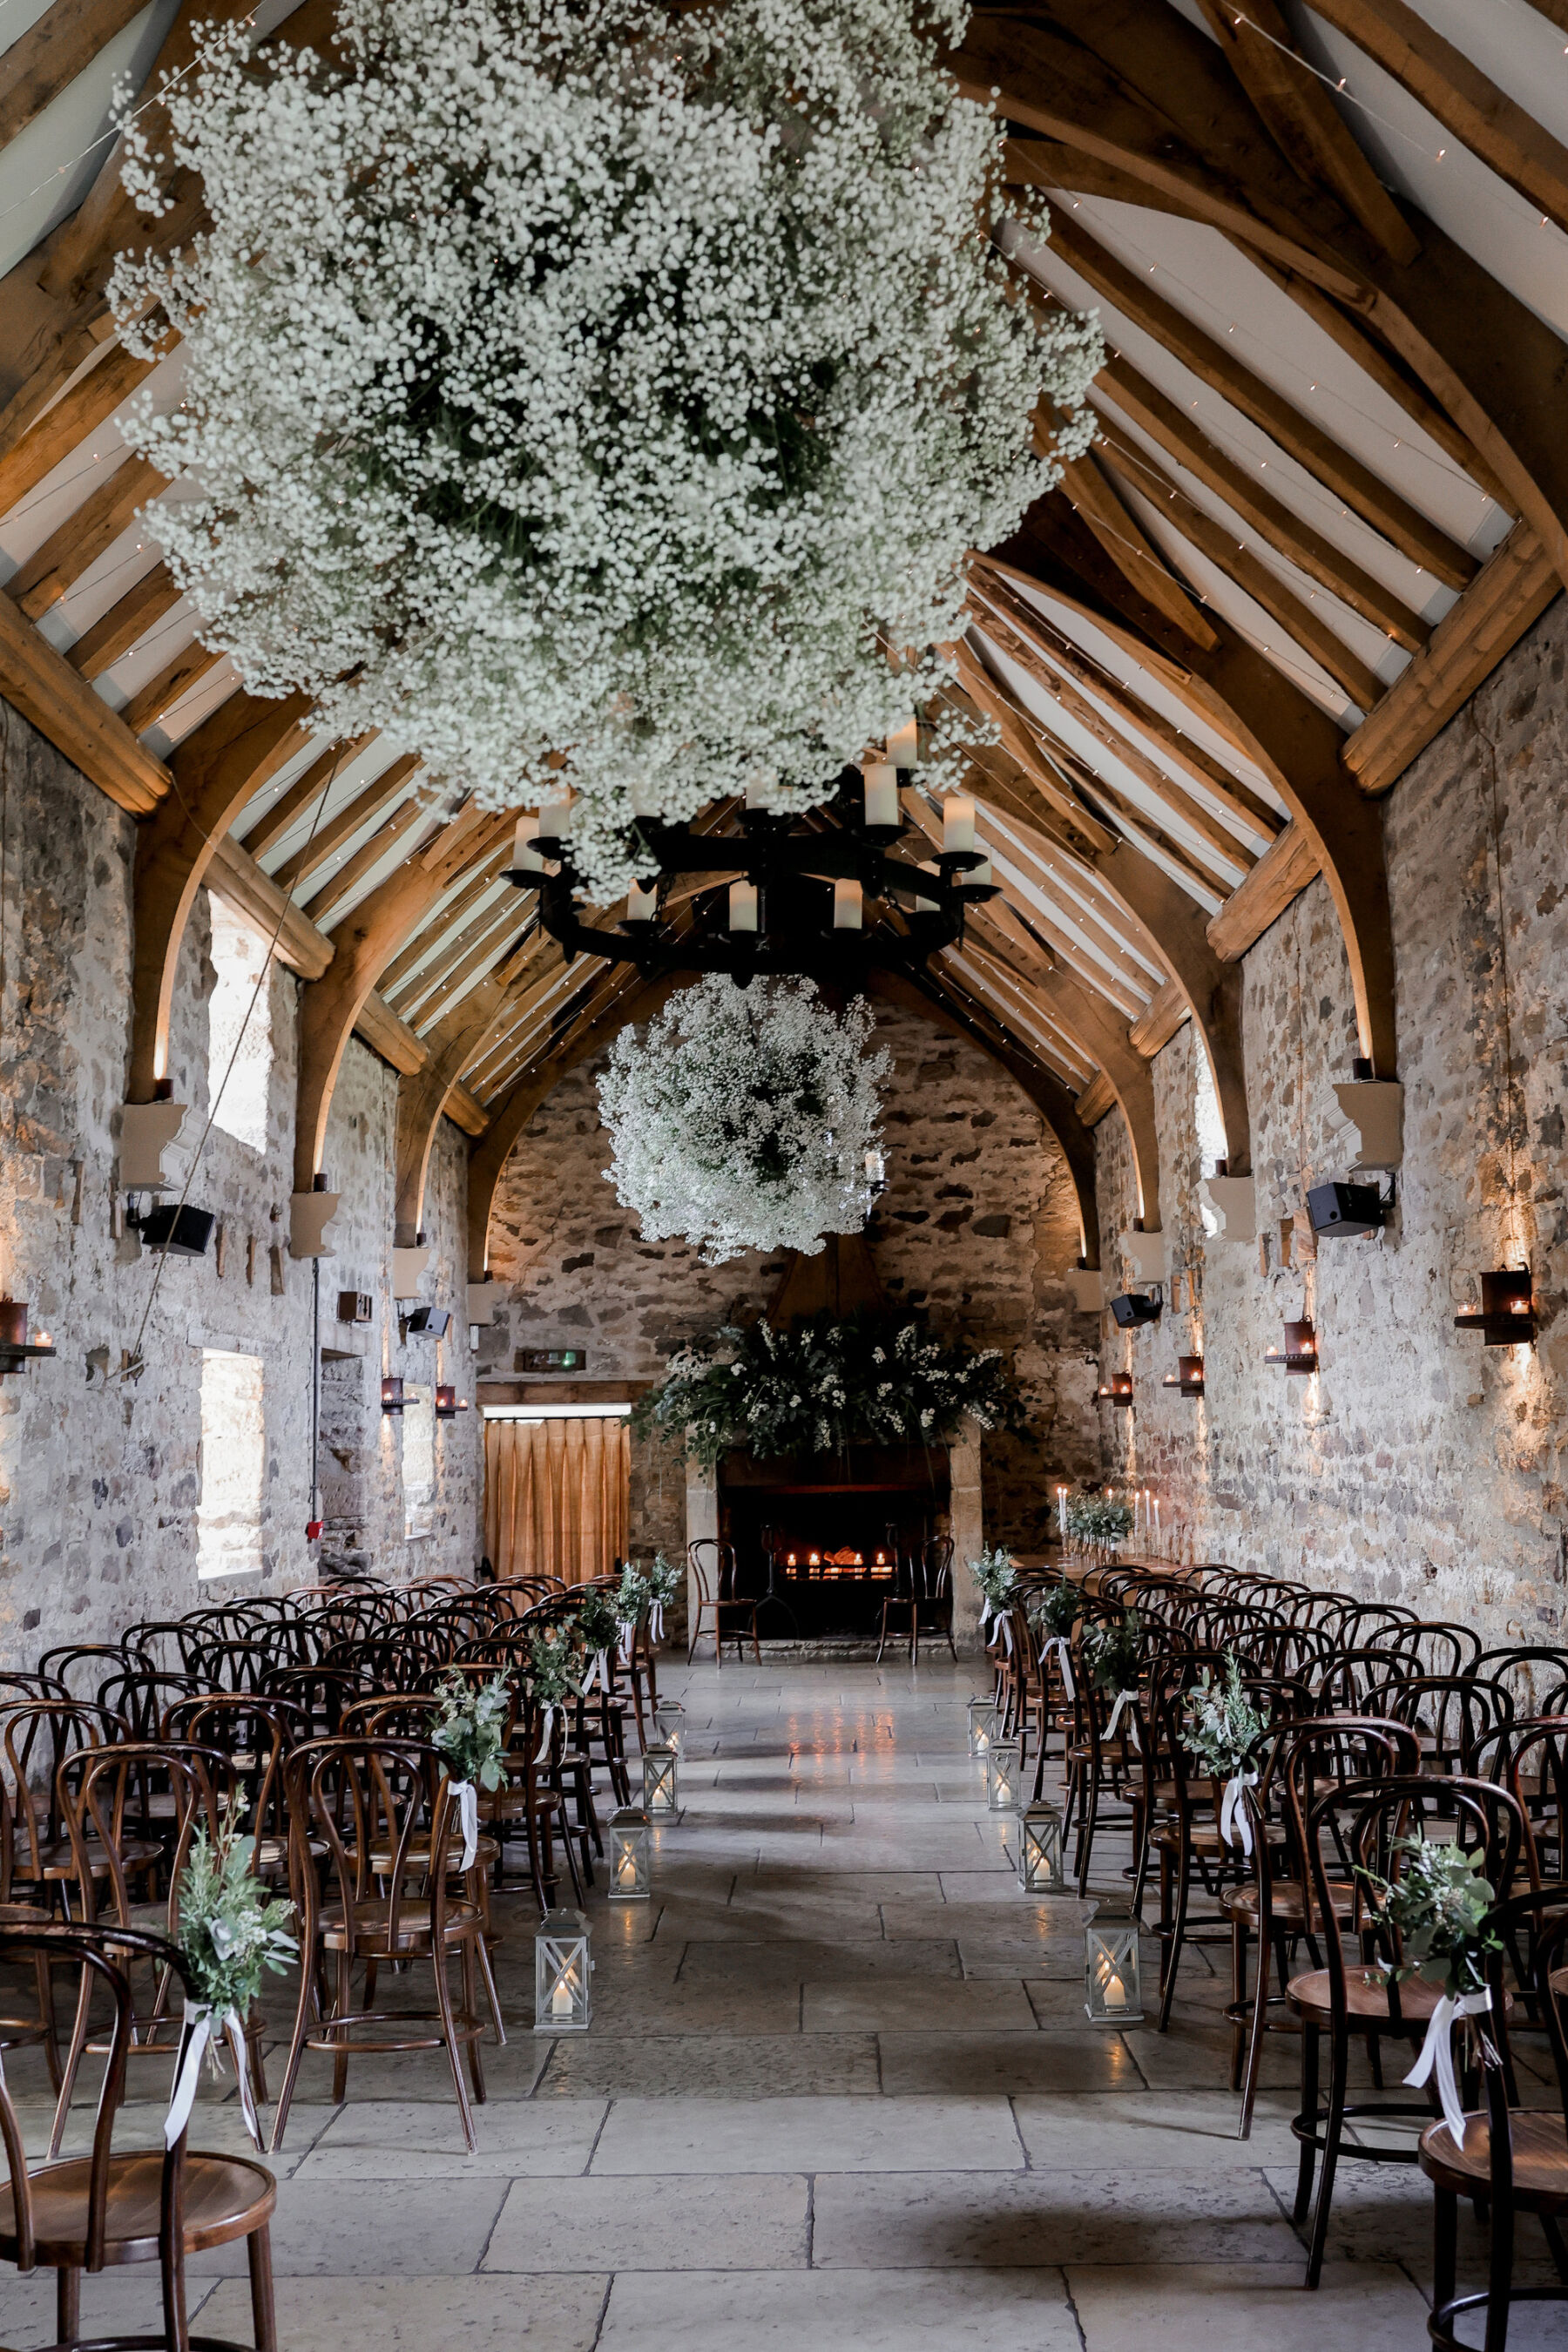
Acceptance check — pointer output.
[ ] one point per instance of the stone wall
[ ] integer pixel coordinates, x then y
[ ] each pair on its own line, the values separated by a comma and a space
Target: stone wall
978, 1227
100, 1478
1417, 1464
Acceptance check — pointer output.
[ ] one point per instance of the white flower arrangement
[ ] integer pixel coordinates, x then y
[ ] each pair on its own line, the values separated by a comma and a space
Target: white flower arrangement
634, 383
742, 1118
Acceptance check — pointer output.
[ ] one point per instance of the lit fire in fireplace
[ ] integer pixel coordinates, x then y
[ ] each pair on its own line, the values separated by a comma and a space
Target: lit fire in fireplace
839, 1563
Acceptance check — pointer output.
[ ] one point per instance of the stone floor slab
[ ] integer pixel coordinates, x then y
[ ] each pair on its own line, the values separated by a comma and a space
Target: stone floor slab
1043, 2220
420, 2315
947, 2135
759, 2222
828, 2311
1246, 2306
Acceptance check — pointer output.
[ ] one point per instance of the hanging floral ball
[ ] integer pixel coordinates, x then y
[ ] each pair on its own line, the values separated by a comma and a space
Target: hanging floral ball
742, 1118
636, 381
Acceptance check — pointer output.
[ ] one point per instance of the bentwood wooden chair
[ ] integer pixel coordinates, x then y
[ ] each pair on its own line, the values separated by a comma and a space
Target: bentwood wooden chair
150, 2205
1506, 2158
376, 1802
720, 1607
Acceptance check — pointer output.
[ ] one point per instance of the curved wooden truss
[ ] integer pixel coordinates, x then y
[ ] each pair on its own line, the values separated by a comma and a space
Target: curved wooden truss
1328, 492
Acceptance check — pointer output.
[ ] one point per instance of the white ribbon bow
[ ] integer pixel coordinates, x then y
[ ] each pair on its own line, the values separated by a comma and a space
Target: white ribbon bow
1007, 1625
1235, 1825
625, 1633
985, 1612
1059, 1642
1437, 2051
547, 1727
656, 1621
197, 2032
467, 1798
1124, 1699
598, 1673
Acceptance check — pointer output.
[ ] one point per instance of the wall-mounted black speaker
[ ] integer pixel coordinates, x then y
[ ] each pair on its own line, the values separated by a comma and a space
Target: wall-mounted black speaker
1346, 1209
179, 1233
432, 1320
1135, 1307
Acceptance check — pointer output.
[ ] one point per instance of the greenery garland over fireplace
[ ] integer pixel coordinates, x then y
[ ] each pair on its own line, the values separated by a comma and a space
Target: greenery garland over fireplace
826, 1384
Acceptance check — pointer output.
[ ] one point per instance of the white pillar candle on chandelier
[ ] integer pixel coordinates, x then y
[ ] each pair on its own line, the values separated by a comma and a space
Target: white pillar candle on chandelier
555, 820
958, 822
904, 745
882, 792
756, 796
642, 902
847, 909
979, 874
525, 858
742, 906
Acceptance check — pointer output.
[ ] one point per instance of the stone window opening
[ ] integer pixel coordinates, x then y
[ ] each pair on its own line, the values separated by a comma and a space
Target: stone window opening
239, 1028
232, 1464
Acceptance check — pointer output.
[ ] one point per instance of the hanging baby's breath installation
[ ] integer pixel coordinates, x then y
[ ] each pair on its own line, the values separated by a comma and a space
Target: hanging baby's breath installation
635, 380
746, 1118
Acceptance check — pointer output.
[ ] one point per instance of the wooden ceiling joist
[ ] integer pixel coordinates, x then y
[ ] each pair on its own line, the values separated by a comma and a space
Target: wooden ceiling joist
126, 622
42, 685
411, 816
329, 837
53, 570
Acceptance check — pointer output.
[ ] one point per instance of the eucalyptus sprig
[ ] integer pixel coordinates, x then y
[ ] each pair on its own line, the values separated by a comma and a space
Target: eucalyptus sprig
598, 1618
231, 1928
996, 1574
1097, 1519
1220, 1724
1441, 1902
470, 1729
664, 1580
1055, 1612
1110, 1652
555, 1672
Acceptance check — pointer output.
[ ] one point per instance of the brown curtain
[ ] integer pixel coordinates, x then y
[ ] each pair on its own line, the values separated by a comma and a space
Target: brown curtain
556, 1497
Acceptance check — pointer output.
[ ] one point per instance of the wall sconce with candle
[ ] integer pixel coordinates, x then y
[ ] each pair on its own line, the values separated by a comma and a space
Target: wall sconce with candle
17, 1350
1188, 1377
392, 1397
1300, 1353
1117, 1391
449, 1403
1506, 1317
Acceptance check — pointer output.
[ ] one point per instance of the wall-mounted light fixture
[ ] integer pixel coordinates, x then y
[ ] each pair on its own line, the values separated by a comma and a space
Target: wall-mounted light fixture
392, 1396
1506, 1315
449, 1403
1117, 1390
17, 1350
171, 1231
431, 1321
1188, 1377
1300, 1353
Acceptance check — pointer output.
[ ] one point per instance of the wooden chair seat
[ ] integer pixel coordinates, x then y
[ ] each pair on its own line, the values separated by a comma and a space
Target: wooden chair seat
1540, 2147
227, 2196
1285, 1901
417, 1858
55, 1860
1367, 2004
372, 1936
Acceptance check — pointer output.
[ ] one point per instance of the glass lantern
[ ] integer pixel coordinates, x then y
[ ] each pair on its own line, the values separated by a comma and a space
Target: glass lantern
563, 1970
669, 1722
1041, 1849
1002, 1776
1113, 1991
660, 1783
631, 1856
982, 1725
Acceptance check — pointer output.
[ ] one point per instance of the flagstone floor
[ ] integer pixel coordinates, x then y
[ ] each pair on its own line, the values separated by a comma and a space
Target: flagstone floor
839, 2092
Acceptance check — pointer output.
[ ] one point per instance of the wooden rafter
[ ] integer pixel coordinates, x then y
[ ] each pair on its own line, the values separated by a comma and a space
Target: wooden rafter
53, 570
1349, 480
54, 50
410, 817
1439, 77
125, 623
329, 837
303, 793
172, 684
438, 926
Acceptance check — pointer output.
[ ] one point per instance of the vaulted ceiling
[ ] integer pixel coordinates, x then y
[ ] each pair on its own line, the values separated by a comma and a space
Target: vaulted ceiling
1328, 248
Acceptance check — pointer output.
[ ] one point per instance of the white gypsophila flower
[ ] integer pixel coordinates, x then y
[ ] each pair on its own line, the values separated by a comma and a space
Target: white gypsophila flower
741, 1118
571, 376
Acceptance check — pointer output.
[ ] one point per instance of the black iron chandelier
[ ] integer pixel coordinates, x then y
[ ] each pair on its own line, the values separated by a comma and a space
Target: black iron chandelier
830, 901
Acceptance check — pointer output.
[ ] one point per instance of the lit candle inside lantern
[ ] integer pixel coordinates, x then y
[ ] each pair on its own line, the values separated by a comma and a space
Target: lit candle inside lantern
958, 822
846, 905
1115, 1991
876, 1173
642, 902
561, 1998
904, 745
627, 1871
742, 906
882, 793
525, 858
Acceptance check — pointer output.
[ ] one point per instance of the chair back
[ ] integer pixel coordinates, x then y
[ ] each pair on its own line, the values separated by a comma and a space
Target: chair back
383, 1808
39, 1737
107, 1792
103, 1958
712, 1564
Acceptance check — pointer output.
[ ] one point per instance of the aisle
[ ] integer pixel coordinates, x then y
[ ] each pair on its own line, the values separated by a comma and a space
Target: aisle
839, 2093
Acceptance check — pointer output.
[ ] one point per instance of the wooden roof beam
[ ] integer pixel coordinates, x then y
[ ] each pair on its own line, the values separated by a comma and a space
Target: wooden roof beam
55, 568
41, 684
331, 835
1124, 541
410, 817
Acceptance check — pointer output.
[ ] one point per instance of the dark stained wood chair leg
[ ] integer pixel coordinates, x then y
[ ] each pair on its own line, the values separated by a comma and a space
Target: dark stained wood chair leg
263, 2309
1307, 2123
67, 2305
1334, 2131
1445, 2246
